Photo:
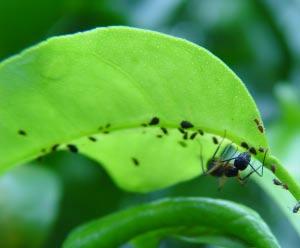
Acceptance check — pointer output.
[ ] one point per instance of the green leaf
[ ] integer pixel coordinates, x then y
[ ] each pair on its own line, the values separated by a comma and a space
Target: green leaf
28, 210
284, 137
194, 235
69, 88
229, 218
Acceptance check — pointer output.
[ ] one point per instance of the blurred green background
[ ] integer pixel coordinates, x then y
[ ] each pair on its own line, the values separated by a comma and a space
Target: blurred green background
259, 39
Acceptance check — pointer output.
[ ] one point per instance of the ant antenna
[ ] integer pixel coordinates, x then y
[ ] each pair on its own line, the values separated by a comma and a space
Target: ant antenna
218, 148
201, 158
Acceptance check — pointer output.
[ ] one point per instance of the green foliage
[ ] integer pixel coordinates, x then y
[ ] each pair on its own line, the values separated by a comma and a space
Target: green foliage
67, 88
99, 92
228, 218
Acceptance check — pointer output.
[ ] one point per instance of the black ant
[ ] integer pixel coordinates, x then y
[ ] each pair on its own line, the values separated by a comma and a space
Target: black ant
224, 168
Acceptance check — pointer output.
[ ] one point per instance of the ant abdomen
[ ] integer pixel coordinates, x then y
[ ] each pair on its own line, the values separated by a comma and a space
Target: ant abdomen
216, 171
241, 162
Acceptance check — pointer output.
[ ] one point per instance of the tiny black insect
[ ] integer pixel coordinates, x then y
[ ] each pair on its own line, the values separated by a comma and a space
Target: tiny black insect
260, 149
164, 130
215, 140
182, 143
260, 128
296, 207
245, 145
181, 130
135, 161
186, 124
159, 136
277, 182
72, 148
193, 135
252, 150
144, 125
257, 122
154, 121
201, 132
185, 136
108, 125
22, 132
93, 139
54, 147
273, 168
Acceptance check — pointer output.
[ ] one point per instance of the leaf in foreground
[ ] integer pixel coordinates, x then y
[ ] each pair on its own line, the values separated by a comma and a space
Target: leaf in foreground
231, 219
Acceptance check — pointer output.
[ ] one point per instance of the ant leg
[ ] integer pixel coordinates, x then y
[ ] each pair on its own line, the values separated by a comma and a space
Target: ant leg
256, 170
263, 163
215, 167
201, 160
261, 166
222, 181
243, 179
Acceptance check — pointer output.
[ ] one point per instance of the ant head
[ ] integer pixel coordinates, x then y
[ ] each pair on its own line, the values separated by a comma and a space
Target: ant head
231, 171
242, 161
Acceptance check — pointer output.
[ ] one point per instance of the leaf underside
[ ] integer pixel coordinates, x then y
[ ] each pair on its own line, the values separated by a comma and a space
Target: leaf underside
99, 91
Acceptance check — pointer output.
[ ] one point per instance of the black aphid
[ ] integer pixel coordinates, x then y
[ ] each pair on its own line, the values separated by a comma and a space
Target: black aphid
215, 140
182, 143
297, 207
144, 125
154, 121
164, 130
135, 161
72, 148
193, 135
54, 147
108, 125
260, 149
252, 150
201, 132
245, 145
185, 136
22, 132
181, 130
93, 139
273, 168
186, 124
260, 128
159, 136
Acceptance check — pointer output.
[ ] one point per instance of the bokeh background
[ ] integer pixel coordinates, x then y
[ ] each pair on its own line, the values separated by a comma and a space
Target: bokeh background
259, 39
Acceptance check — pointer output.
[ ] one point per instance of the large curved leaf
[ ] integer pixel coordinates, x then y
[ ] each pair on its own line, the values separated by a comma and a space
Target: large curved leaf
75, 89
231, 219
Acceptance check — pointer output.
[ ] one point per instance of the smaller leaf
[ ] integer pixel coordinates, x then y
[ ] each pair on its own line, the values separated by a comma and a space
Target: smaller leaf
229, 218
